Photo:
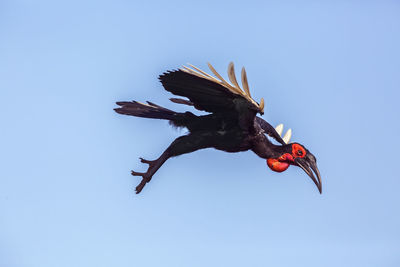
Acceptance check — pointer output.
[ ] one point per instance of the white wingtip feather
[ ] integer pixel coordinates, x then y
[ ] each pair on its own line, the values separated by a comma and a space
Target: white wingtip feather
287, 136
279, 129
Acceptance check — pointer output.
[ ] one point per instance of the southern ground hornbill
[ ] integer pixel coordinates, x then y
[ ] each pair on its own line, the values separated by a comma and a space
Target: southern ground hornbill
231, 126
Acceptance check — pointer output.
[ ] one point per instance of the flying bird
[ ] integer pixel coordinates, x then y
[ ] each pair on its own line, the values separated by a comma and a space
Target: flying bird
232, 124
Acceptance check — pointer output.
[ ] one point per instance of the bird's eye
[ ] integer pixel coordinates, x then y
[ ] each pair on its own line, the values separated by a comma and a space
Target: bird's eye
298, 151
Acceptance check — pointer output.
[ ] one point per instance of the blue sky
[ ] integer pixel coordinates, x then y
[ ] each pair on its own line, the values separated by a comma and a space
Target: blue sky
330, 71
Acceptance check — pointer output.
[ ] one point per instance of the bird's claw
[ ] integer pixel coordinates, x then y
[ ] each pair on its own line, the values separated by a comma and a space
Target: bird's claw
147, 161
137, 173
146, 176
140, 186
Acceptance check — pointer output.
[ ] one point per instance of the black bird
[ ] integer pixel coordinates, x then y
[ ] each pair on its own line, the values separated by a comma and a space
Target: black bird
231, 126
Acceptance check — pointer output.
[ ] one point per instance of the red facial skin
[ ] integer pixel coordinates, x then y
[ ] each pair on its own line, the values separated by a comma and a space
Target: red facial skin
283, 162
277, 166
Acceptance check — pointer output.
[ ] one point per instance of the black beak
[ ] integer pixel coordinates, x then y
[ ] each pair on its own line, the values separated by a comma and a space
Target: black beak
309, 164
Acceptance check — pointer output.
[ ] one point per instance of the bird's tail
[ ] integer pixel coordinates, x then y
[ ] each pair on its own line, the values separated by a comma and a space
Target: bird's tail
150, 110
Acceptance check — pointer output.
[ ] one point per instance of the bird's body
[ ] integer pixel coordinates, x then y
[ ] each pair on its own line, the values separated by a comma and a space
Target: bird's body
232, 125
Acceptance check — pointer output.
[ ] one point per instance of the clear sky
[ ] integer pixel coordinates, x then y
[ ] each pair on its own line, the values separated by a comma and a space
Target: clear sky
330, 71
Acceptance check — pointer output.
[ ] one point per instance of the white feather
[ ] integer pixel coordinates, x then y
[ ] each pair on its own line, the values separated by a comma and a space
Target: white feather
287, 136
279, 129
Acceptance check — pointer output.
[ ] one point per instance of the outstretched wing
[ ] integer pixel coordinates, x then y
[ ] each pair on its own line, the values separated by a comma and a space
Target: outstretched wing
213, 94
269, 130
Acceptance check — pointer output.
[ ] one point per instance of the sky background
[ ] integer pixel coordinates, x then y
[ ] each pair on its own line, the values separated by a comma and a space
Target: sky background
330, 71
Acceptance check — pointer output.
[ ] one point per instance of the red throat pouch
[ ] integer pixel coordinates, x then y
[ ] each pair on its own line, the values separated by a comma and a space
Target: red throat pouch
277, 166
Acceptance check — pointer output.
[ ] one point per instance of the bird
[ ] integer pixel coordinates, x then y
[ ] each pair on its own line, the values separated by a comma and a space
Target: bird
231, 122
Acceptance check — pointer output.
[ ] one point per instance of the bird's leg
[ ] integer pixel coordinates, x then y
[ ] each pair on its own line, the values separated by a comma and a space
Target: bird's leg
154, 165
181, 145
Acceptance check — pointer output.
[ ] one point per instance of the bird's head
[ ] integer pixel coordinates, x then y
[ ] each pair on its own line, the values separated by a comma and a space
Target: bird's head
296, 154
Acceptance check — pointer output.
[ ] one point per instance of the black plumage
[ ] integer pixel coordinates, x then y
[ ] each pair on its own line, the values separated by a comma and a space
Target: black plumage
231, 126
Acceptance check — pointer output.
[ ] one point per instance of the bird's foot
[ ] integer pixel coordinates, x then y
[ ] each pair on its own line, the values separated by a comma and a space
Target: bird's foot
147, 161
146, 176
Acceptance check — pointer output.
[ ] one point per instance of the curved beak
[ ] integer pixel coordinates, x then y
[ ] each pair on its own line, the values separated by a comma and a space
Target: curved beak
309, 165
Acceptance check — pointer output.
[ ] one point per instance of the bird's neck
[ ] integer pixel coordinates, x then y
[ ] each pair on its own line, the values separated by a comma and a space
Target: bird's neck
265, 149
